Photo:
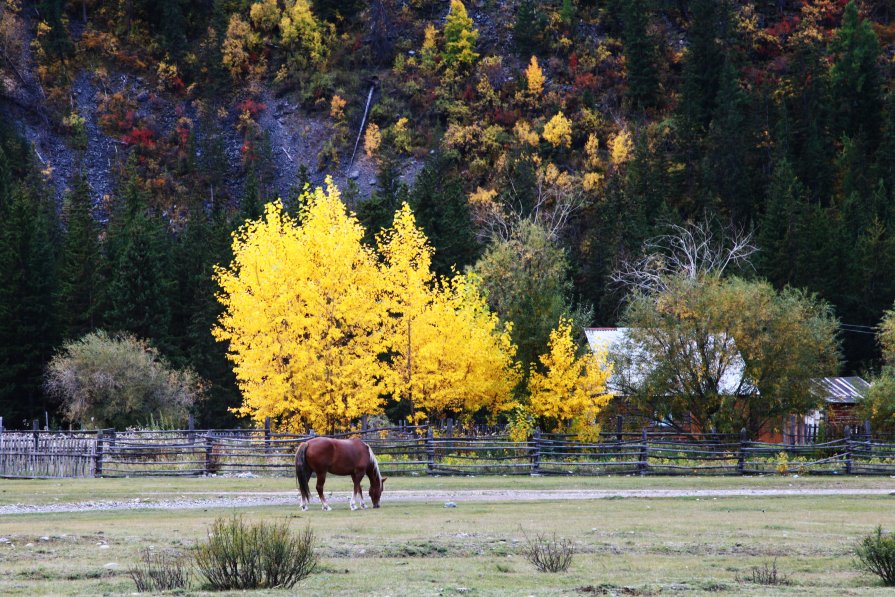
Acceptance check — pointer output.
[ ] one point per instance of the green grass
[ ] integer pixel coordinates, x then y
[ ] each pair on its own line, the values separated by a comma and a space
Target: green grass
624, 546
70, 490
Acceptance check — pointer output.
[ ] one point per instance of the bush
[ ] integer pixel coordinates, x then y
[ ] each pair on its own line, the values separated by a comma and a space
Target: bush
160, 572
766, 574
876, 553
549, 554
118, 381
255, 556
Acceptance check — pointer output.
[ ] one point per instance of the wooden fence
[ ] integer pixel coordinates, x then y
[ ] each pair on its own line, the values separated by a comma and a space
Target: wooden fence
425, 450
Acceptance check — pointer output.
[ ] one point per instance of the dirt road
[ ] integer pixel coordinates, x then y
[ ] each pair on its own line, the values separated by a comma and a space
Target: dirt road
243, 499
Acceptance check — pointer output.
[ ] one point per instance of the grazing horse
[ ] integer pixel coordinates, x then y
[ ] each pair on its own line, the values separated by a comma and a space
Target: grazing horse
353, 457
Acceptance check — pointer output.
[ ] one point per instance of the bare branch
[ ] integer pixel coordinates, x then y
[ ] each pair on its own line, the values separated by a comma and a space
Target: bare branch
691, 251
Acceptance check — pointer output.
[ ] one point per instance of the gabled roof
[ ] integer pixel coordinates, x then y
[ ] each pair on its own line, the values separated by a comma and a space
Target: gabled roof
612, 339
840, 390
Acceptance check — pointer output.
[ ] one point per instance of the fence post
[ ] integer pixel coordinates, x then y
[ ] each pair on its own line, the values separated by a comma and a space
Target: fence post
363, 423
618, 428
430, 450
98, 455
112, 437
848, 450
209, 453
36, 431
191, 429
644, 455
267, 435
536, 454
744, 443
867, 430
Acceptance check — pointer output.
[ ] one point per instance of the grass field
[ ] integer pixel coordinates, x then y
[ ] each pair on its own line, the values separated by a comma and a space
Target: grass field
630, 546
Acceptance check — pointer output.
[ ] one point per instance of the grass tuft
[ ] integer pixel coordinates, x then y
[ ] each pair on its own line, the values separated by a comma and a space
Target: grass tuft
162, 571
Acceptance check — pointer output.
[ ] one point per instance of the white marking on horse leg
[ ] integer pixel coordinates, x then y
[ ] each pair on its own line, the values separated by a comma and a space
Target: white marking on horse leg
326, 506
304, 504
360, 497
351, 502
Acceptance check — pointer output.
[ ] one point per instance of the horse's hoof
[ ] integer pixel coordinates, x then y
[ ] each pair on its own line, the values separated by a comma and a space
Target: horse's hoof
327, 507
353, 507
364, 506
304, 508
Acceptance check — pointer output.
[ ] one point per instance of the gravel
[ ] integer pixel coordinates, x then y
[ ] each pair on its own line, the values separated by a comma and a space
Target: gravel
205, 501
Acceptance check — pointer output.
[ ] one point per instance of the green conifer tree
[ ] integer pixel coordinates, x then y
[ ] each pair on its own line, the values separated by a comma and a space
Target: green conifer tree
81, 268
640, 55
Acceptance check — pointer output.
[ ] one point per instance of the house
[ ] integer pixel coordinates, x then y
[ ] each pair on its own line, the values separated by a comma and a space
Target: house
616, 340
840, 394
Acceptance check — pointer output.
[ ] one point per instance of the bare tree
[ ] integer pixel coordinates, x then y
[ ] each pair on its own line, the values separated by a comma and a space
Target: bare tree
691, 251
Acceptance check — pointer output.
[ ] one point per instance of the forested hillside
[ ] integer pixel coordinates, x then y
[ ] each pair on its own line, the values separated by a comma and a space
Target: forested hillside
539, 144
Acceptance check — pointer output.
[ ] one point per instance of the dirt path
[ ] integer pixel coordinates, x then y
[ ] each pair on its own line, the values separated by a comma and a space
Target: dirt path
206, 500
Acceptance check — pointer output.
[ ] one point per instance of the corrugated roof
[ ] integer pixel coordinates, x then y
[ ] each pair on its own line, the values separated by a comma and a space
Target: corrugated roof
840, 390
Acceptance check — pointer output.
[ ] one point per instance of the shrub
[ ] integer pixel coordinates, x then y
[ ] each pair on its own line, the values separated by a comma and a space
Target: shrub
876, 553
255, 556
766, 574
549, 554
162, 571
118, 381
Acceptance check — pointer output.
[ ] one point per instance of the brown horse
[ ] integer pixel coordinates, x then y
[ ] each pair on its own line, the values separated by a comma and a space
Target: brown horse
323, 455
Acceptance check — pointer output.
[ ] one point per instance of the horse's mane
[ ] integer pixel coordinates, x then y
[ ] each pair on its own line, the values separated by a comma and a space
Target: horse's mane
374, 462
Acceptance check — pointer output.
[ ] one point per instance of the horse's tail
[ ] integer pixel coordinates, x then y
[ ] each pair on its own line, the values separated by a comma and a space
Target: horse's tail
301, 473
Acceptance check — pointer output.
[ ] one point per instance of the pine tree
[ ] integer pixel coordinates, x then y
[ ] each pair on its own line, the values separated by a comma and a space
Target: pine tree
640, 55
779, 234
139, 278
855, 78
377, 212
727, 170
28, 307
200, 246
81, 268
442, 212
528, 29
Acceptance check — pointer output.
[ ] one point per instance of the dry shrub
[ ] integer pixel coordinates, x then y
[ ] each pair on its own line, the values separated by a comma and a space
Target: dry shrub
549, 554
766, 574
162, 571
264, 555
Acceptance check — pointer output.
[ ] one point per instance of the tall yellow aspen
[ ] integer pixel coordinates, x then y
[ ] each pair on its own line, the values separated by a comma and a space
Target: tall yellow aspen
303, 317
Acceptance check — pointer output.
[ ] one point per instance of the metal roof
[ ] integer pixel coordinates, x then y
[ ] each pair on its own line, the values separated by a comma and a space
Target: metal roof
840, 390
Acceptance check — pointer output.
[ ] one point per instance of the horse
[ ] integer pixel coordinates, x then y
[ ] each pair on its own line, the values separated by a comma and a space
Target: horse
323, 455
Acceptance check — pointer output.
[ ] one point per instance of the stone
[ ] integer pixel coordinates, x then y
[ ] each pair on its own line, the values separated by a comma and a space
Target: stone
354, 175
450, 504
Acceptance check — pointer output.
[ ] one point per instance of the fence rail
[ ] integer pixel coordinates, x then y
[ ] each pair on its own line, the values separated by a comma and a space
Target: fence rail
424, 450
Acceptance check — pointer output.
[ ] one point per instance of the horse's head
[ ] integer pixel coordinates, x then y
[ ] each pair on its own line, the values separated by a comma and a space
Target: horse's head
376, 491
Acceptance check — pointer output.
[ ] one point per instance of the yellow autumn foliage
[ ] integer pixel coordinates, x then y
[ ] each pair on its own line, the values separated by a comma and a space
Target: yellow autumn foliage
319, 329
534, 78
558, 131
573, 390
372, 139
526, 134
302, 316
448, 351
620, 147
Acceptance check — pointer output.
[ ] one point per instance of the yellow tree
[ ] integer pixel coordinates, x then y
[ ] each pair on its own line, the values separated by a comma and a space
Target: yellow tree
534, 78
464, 358
558, 131
573, 389
303, 317
448, 352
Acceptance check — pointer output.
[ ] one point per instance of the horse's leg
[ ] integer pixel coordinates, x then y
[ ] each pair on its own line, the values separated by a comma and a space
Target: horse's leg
357, 498
321, 479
